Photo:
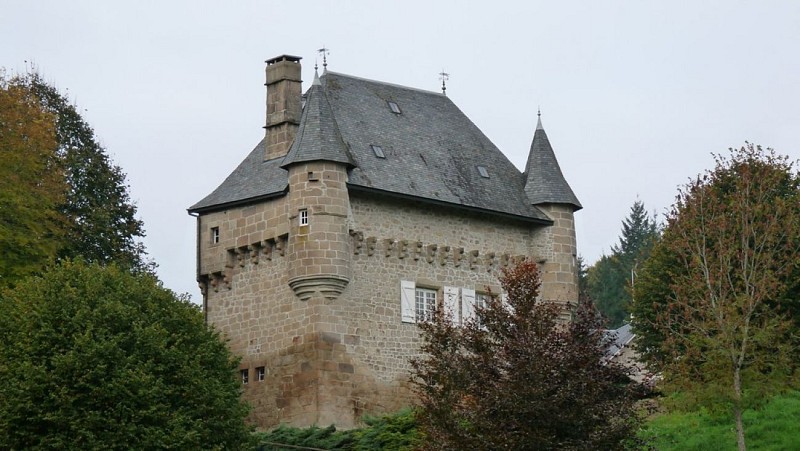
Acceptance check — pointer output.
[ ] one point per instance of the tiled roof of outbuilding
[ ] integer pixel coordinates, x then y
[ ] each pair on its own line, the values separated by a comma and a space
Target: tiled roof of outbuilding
432, 151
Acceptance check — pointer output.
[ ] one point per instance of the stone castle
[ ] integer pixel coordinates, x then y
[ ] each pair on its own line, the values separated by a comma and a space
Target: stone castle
366, 206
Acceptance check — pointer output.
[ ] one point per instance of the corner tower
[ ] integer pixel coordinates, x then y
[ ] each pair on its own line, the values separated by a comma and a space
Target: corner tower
548, 190
318, 202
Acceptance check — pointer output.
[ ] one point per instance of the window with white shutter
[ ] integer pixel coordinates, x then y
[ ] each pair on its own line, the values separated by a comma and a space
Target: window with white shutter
407, 297
467, 305
451, 307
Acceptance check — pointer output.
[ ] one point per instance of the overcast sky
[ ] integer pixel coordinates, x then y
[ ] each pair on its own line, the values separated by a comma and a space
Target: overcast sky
635, 96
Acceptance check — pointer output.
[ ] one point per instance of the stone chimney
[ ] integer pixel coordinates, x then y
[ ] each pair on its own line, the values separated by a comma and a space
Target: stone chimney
283, 104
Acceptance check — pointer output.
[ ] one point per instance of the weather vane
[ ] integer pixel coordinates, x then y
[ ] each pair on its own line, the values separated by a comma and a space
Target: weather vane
324, 52
444, 76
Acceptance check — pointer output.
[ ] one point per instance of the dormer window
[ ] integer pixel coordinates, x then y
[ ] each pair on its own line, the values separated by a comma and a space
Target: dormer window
303, 217
483, 172
394, 107
378, 151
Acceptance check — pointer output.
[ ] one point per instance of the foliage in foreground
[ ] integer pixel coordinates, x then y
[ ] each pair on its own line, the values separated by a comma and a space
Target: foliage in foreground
94, 357
772, 427
396, 432
518, 378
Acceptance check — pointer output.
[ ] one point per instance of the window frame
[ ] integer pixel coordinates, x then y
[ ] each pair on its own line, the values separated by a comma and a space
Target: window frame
378, 151
261, 373
425, 303
302, 217
215, 235
394, 107
245, 375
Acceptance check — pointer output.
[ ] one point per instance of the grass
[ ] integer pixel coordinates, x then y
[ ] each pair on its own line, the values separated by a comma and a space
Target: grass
773, 427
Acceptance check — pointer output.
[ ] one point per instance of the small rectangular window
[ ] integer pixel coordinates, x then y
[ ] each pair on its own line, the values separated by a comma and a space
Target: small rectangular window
378, 151
214, 235
245, 376
394, 107
483, 172
303, 217
261, 373
425, 304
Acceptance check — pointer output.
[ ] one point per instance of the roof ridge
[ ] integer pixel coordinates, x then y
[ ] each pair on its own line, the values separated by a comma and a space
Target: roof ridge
394, 85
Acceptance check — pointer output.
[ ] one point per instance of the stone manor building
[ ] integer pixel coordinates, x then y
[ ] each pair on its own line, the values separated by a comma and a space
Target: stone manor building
366, 206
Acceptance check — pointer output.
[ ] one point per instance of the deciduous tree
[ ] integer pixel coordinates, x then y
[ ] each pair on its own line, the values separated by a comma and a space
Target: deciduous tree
95, 357
100, 216
517, 378
729, 257
32, 185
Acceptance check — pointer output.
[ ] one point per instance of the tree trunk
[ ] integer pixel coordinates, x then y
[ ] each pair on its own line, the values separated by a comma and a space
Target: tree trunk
737, 408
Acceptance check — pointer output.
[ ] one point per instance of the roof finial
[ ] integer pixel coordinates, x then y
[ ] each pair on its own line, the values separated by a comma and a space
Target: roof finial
539, 122
444, 76
324, 52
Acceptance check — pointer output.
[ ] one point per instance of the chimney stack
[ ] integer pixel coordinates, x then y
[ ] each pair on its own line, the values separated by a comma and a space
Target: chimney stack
283, 104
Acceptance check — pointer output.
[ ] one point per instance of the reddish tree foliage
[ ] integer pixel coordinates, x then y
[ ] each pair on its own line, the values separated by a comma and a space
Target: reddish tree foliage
517, 378
724, 308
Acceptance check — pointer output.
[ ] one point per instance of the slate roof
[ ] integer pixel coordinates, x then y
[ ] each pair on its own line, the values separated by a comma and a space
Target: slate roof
254, 179
622, 337
545, 184
318, 137
432, 151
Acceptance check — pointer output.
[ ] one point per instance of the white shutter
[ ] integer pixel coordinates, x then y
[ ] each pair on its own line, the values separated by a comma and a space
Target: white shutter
467, 304
506, 305
451, 304
408, 312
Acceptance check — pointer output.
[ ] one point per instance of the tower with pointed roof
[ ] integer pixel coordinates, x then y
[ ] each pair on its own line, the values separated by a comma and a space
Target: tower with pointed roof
365, 207
548, 190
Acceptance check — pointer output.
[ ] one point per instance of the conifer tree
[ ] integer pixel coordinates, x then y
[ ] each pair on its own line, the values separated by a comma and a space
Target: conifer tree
610, 278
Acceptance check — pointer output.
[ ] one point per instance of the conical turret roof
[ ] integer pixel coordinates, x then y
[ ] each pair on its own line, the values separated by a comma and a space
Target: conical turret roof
318, 137
544, 182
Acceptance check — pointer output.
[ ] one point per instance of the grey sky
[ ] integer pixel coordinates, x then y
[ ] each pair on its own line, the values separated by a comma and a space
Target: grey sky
634, 95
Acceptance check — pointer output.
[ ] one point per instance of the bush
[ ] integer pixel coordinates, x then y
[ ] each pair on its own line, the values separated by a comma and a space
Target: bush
94, 357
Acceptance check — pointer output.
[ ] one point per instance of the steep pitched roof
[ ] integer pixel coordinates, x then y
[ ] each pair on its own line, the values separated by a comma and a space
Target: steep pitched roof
254, 179
432, 151
318, 137
544, 182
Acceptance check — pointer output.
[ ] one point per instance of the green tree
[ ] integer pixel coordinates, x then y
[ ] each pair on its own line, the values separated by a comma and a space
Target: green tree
101, 218
96, 357
583, 278
31, 184
518, 378
610, 278
730, 261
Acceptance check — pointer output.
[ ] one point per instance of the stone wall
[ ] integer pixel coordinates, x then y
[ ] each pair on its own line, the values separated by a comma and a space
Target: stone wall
332, 360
